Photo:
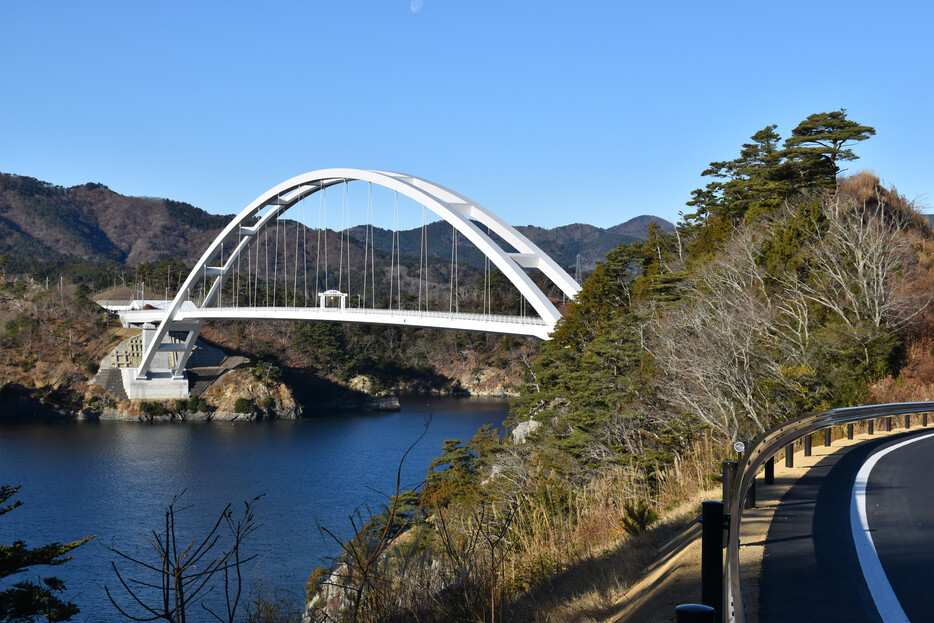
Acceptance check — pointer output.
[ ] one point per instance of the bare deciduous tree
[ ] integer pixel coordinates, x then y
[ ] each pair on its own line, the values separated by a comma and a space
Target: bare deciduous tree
710, 346
181, 575
860, 267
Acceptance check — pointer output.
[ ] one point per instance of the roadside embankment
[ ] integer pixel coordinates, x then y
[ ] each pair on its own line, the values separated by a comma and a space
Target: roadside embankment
674, 577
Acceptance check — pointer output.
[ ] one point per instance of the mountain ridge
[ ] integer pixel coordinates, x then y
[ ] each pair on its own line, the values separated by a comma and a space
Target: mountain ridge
43, 222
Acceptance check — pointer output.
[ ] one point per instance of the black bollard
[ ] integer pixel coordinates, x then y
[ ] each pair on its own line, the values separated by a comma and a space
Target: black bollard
871, 426
712, 555
888, 424
790, 455
827, 437
907, 420
695, 613
807, 445
770, 471
751, 496
849, 431
729, 477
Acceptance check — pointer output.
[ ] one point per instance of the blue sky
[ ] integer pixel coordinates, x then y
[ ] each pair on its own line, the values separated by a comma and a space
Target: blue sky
547, 113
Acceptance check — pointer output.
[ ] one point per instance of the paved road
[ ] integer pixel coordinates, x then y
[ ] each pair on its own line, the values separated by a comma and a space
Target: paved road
811, 570
900, 513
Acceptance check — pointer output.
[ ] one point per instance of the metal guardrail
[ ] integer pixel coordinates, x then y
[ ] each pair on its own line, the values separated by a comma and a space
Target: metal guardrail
765, 447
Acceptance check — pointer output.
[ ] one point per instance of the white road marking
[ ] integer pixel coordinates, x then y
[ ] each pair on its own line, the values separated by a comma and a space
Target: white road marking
879, 587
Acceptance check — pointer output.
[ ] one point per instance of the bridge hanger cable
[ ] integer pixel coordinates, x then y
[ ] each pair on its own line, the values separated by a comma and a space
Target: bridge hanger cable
421, 256
275, 259
285, 263
340, 264
325, 240
305, 247
451, 275
256, 270
298, 223
285, 260
489, 280
220, 291
239, 257
250, 289
347, 229
395, 236
486, 280
373, 250
366, 237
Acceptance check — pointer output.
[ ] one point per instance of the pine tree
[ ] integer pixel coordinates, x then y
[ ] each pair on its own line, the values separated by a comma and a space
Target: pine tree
26, 601
818, 143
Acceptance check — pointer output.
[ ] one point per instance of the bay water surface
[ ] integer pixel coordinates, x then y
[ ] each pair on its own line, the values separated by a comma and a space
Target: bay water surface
115, 480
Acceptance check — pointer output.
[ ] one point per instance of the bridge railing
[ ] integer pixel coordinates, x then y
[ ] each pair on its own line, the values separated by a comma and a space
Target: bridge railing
409, 313
765, 447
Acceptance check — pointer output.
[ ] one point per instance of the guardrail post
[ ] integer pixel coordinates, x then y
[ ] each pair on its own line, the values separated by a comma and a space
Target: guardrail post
888, 424
907, 420
924, 419
712, 556
790, 455
849, 431
807, 445
695, 613
826, 437
770, 471
728, 478
751, 496
871, 426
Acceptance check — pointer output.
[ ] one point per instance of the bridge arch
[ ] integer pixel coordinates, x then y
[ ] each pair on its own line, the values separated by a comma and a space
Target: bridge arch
462, 213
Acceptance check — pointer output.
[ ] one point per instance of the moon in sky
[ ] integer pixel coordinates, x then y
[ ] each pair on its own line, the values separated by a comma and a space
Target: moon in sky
416, 5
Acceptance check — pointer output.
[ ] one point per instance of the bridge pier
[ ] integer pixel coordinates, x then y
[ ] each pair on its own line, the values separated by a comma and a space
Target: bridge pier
161, 382
158, 385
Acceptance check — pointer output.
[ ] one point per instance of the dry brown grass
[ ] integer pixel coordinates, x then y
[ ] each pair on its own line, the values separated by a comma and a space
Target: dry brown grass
915, 381
866, 189
585, 560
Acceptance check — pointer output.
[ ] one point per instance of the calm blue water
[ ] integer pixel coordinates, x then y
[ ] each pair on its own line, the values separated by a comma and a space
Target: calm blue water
115, 479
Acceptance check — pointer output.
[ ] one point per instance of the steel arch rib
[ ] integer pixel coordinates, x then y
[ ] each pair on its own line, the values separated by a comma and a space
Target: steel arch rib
453, 207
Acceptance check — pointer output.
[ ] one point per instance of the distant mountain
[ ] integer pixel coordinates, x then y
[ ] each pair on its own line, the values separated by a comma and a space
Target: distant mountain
42, 222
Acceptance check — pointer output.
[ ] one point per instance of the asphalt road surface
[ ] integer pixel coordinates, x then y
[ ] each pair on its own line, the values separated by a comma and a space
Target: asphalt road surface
811, 569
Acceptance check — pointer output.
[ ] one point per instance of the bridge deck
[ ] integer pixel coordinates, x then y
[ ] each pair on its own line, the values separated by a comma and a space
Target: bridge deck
513, 325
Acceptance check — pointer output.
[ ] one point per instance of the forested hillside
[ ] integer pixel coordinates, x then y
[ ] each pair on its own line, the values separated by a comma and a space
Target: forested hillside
788, 289
46, 228
53, 237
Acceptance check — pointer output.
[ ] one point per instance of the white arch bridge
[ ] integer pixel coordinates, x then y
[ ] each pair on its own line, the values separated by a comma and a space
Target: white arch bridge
233, 281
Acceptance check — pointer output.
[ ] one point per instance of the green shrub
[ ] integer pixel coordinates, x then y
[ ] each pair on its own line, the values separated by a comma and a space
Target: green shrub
242, 405
152, 407
197, 404
638, 517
